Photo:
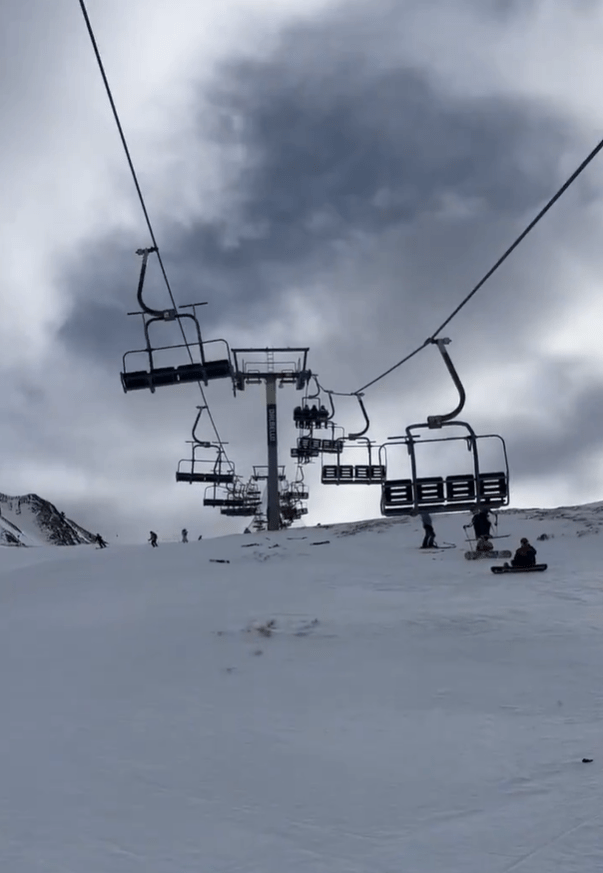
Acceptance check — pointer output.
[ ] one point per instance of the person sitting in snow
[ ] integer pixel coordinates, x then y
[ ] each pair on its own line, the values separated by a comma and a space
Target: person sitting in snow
525, 556
483, 545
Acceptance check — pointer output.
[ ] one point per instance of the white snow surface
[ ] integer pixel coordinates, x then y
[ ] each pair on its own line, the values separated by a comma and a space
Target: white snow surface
359, 706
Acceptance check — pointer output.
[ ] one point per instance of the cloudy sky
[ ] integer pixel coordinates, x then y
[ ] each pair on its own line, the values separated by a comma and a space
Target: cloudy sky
324, 174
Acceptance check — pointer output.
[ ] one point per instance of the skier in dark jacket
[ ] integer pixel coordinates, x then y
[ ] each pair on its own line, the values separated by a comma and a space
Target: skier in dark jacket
429, 538
525, 556
481, 524
100, 542
153, 539
184, 535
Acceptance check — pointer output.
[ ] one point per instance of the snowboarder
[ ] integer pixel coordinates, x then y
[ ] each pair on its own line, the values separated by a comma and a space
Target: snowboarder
153, 539
429, 538
525, 556
184, 535
100, 542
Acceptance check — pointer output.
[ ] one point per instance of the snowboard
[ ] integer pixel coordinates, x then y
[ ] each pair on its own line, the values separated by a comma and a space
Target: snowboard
537, 568
503, 553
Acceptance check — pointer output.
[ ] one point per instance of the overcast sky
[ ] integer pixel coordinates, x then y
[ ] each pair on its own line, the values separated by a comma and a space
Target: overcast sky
324, 174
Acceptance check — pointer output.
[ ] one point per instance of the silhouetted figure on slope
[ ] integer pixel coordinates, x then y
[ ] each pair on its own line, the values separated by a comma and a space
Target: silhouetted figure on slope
153, 539
100, 542
481, 524
429, 538
184, 535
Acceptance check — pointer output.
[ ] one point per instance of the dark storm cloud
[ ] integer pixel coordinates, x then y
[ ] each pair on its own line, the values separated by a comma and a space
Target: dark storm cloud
101, 325
351, 151
336, 146
105, 281
504, 10
564, 431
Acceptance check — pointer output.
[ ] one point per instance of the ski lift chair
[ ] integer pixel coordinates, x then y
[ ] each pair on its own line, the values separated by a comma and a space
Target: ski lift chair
454, 493
154, 376
354, 474
216, 470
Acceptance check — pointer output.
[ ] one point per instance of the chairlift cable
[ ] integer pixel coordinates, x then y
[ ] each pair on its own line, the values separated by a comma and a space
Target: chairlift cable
124, 143
550, 203
141, 199
335, 393
522, 235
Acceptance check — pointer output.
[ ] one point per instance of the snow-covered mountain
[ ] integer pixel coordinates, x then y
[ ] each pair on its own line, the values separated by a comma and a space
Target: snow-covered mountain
30, 520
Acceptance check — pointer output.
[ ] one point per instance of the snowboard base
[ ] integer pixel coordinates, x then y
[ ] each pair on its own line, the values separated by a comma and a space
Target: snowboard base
536, 568
494, 553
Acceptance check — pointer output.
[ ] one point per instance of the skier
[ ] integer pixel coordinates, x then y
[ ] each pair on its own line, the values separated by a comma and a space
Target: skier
153, 539
184, 535
429, 538
525, 556
481, 523
100, 542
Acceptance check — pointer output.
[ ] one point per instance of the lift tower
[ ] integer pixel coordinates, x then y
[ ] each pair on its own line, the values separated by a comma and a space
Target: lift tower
285, 366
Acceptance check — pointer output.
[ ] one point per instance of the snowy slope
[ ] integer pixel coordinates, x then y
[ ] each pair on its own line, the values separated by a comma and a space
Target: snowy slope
350, 706
30, 520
